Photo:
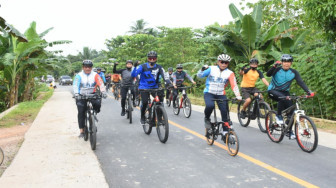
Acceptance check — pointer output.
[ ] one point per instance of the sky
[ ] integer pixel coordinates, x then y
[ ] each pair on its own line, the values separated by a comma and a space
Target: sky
90, 22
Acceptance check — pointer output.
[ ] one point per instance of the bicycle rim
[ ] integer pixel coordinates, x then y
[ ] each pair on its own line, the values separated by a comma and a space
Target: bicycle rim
306, 134
93, 133
162, 125
176, 107
211, 137
232, 143
130, 109
263, 110
86, 132
243, 121
187, 107
274, 131
147, 127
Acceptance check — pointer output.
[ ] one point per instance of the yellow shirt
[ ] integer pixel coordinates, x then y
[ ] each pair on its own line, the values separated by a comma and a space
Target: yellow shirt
250, 77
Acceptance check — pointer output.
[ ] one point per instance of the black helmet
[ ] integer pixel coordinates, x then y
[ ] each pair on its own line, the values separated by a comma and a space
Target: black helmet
254, 60
98, 68
87, 63
129, 61
170, 69
179, 66
286, 58
152, 54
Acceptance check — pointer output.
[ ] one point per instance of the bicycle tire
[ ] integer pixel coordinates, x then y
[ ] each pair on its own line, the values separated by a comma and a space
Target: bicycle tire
274, 131
2, 156
246, 121
168, 102
130, 109
305, 132
86, 132
117, 93
211, 138
187, 107
93, 132
147, 127
127, 108
232, 143
176, 107
264, 108
161, 123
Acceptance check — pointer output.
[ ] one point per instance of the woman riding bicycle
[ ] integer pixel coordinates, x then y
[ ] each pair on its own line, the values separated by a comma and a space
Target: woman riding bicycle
217, 79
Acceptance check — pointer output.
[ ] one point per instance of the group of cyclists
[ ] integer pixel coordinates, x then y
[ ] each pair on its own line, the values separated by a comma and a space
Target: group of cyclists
148, 76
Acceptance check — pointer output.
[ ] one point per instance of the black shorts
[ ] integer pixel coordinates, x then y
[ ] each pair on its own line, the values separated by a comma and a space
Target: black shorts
248, 91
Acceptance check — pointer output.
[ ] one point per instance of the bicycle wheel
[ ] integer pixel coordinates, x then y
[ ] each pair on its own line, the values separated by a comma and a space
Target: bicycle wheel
232, 142
130, 109
2, 156
127, 108
87, 122
147, 127
274, 131
306, 134
161, 122
244, 121
264, 108
176, 107
168, 102
186, 107
211, 138
93, 132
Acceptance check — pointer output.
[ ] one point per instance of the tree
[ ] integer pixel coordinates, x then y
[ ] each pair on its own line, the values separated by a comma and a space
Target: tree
139, 27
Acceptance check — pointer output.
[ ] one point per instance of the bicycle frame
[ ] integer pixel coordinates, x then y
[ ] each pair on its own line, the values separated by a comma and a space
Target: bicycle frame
296, 114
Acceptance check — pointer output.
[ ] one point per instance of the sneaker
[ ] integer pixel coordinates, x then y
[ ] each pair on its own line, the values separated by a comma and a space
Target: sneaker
242, 114
142, 120
279, 119
81, 135
122, 112
207, 123
291, 135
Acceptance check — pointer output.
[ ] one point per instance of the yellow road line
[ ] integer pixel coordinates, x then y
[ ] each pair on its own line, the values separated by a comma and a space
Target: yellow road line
251, 159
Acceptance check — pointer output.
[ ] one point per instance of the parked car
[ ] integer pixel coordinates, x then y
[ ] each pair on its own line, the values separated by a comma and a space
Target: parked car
65, 80
50, 79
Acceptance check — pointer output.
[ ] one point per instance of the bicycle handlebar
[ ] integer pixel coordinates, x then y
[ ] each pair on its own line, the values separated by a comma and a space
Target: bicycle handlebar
87, 96
222, 100
293, 97
151, 90
185, 87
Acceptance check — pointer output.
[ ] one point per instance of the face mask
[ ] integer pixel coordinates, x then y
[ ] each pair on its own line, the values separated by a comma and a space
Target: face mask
253, 68
129, 68
152, 63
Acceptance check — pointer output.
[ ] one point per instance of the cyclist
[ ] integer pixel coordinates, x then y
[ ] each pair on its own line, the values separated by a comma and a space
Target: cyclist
108, 81
169, 81
127, 79
101, 74
250, 76
178, 79
282, 77
149, 79
86, 82
217, 79
115, 79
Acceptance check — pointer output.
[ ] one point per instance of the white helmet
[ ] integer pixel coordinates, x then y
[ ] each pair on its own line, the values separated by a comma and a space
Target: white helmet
224, 57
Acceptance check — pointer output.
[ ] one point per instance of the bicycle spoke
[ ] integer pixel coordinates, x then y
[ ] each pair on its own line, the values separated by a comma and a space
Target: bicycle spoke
306, 134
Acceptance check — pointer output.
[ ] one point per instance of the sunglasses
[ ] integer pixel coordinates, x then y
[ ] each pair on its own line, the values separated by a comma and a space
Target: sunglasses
254, 63
179, 68
224, 62
152, 58
87, 66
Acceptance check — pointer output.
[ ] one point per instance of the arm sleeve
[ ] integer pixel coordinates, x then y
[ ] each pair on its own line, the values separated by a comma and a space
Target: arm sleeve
271, 71
202, 74
117, 71
76, 84
161, 71
174, 78
246, 70
99, 83
234, 85
136, 71
189, 77
261, 75
300, 81
103, 77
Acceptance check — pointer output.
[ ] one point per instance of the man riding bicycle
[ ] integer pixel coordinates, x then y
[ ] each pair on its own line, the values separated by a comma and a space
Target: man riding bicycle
282, 77
168, 81
250, 77
101, 74
178, 79
217, 79
86, 82
127, 81
149, 79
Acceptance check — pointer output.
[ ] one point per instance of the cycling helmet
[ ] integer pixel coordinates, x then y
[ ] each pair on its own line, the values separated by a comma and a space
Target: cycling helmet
286, 58
224, 57
152, 54
254, 60
129, 61
170, 69
87, 63
98, 69
179, 66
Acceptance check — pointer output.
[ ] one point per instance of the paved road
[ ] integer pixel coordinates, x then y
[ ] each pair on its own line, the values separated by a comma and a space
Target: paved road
130, 158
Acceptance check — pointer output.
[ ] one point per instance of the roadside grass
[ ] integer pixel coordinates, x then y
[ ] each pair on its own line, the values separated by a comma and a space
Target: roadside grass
325, 125
27, 111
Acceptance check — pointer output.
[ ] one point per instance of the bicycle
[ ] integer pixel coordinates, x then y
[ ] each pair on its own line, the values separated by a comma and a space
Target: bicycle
170, 97
257, 109
230, 139
156, 115
90, 127
116, 92
305, 128
2, 156
137, 99
129, 103
183, 103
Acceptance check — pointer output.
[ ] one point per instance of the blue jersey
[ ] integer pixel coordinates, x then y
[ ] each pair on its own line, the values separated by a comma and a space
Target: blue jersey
102, 75
149, 76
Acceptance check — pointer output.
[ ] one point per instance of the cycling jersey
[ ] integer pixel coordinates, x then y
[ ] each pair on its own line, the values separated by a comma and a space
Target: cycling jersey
250, 77
102, 75
115, 78
127, 79
217, 80
168, 78
282, 79
178, 78
87, 83
149, 76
